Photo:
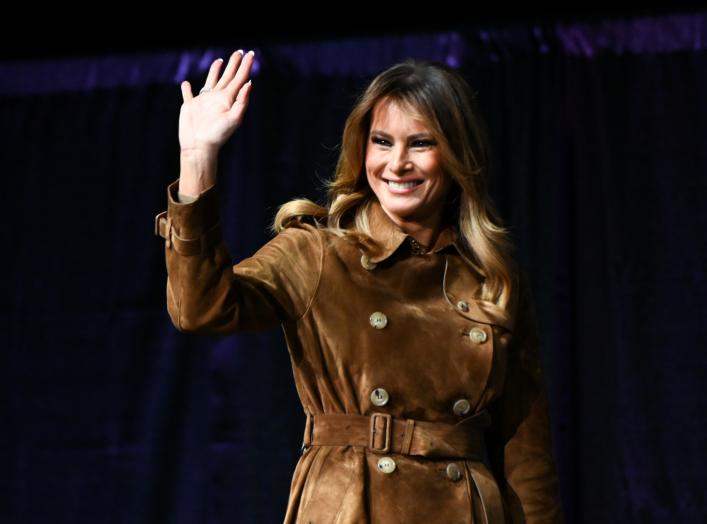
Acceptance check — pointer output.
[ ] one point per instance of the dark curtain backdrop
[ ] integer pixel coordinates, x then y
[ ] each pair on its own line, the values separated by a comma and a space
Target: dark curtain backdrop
109, 415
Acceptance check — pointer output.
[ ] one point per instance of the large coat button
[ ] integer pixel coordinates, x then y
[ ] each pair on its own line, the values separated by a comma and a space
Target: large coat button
453, 472
367, 263
478, 335
386, 465
379, 397
461, 407
378, 320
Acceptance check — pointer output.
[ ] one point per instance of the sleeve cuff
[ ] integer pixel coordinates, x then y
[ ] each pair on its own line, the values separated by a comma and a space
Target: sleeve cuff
190, 228
185, 199
192, 219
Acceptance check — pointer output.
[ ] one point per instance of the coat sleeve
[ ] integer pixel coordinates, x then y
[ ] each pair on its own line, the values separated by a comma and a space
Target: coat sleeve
207, 294
520, 440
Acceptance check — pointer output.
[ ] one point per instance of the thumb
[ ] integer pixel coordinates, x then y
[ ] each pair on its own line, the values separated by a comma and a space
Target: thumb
186, 91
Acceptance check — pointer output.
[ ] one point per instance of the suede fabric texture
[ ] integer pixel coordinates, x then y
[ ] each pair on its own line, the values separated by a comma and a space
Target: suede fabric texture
322, 291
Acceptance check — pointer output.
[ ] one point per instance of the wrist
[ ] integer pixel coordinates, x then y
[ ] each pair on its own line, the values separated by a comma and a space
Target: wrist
199, 152
198, 171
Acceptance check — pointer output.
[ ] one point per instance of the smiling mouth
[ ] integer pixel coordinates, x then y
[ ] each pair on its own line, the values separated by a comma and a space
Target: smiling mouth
403, 185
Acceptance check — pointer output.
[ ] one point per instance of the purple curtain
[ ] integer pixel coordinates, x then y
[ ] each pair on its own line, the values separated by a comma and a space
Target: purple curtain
110, 415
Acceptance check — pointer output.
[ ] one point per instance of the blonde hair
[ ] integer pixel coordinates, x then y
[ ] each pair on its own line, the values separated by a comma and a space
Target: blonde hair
441, 97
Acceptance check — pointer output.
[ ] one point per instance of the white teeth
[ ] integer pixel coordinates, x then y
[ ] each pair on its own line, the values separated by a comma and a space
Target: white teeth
405, 185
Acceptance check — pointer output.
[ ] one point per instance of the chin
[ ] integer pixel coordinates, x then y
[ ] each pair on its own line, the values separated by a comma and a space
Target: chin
404, 211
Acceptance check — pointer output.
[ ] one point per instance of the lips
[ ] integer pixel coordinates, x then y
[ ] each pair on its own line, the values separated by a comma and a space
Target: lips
404, 181
403, 187
410, 183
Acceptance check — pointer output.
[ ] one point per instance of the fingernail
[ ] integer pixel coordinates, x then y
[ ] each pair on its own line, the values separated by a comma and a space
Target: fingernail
240, 51
251, 52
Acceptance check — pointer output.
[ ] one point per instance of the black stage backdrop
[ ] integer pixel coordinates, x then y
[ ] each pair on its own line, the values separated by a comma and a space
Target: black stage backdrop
109, 415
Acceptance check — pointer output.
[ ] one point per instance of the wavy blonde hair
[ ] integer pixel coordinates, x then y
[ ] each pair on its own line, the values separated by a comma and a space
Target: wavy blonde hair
443, 100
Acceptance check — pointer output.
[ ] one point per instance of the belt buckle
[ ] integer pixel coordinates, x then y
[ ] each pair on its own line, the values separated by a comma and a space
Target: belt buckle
387, 429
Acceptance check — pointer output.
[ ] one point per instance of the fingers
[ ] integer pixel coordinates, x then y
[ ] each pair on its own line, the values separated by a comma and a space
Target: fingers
233, 63
186, 91
234, 86
213, 73
241, 104
244, 94
232, 79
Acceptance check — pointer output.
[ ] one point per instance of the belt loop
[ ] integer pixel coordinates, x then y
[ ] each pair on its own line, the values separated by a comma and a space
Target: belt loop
407, 436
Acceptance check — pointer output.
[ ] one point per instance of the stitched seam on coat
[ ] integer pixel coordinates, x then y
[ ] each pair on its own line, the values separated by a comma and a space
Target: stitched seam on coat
319, 276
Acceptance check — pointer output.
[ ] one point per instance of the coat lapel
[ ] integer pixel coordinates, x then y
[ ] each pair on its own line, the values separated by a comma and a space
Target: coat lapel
390, 237
457, 285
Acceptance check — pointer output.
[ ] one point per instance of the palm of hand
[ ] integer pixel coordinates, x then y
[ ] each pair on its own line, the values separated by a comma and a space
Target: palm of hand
209, 119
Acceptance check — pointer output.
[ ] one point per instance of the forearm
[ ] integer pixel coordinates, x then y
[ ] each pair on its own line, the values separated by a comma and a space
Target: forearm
197, 171
207, 294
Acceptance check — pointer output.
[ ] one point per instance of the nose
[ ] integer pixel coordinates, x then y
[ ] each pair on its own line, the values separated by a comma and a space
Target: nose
399, 161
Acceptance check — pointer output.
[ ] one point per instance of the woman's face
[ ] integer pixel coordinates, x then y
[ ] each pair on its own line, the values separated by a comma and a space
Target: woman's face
403, 166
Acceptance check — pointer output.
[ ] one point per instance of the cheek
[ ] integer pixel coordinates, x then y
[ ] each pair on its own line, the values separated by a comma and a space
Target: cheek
372, 167
434, 162
371, 160
370, 176
442, 184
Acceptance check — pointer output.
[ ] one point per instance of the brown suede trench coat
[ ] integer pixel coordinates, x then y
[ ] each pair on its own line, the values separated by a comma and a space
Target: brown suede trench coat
397, 339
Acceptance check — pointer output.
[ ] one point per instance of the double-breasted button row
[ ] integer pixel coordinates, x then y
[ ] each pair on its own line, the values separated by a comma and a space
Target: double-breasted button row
379, 320
387, 465
379, 397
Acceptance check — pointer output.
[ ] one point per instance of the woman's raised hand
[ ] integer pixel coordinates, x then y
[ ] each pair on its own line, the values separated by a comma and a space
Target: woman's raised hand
207, 120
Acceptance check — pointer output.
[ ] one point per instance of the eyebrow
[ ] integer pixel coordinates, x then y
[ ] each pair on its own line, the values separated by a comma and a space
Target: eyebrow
416, 135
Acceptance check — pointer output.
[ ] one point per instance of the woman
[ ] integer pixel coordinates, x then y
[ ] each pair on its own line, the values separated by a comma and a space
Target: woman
410, 327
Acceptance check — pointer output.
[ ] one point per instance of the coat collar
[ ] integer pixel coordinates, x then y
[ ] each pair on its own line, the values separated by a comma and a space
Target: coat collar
389, 235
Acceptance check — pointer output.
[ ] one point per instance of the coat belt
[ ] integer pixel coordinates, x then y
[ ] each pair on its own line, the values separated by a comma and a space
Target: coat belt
382, 433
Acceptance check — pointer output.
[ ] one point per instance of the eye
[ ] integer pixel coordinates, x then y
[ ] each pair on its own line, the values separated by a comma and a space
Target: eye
423, 143
378, 140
